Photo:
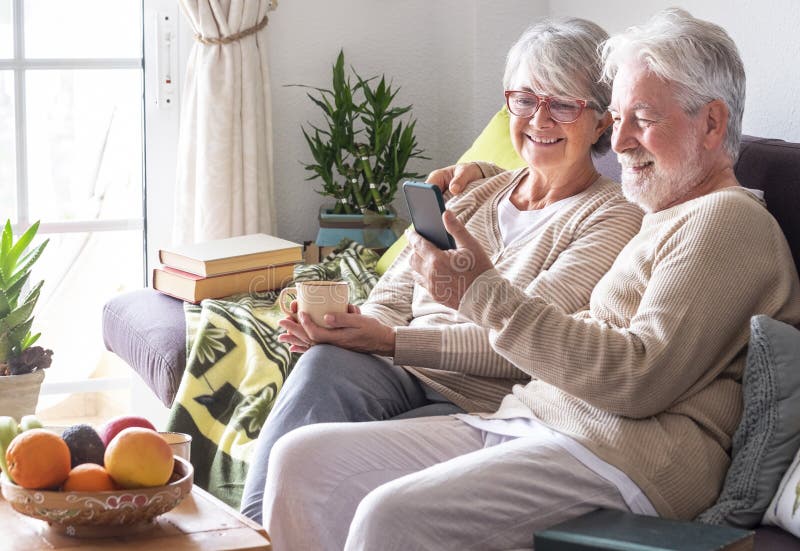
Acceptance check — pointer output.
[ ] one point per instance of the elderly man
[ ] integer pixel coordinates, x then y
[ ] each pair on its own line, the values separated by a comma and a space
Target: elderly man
633, 402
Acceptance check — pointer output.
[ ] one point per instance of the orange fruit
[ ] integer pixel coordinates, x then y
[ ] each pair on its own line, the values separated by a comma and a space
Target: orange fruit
139, 458
38, 459
88, 477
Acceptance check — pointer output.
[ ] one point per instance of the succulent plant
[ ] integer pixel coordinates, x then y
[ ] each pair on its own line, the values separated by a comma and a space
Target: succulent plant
17, 356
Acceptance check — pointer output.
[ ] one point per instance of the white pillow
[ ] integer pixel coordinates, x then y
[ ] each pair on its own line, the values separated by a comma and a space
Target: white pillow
784, 510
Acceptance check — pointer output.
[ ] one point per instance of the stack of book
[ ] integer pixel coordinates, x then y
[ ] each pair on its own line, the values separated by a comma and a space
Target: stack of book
220, 268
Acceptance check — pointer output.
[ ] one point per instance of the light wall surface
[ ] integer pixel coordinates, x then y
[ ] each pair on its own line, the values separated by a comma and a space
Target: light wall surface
447, 56
766, 33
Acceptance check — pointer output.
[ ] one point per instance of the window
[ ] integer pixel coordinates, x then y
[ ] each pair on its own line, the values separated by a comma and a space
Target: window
72, 115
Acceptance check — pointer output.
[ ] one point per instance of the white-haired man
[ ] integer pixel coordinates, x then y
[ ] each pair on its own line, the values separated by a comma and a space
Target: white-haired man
633, 402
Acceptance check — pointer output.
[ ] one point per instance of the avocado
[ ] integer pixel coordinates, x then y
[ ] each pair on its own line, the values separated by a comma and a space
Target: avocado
85, 445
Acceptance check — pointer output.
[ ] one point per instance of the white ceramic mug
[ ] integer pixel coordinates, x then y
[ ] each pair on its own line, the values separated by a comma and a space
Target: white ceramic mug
180, 443
317, 298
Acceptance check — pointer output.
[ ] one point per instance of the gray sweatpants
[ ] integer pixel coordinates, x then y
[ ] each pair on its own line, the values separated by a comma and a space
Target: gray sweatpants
421, 484
331, 384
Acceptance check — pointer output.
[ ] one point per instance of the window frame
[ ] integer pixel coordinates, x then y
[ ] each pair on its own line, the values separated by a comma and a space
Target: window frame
19, 65
159, 151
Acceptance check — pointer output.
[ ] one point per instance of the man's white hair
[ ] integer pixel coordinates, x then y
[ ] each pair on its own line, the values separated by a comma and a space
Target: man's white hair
561, 56
697, 56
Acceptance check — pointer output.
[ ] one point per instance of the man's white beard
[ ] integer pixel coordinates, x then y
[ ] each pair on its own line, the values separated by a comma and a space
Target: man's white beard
658, 186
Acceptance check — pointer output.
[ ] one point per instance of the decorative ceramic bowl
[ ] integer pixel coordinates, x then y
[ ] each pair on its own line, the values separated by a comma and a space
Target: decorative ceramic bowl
99, 514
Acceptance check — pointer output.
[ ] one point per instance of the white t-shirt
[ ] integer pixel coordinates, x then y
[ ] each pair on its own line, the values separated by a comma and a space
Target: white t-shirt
515, 223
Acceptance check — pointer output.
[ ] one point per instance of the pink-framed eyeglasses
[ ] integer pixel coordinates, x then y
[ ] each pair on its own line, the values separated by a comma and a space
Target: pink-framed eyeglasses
522, 103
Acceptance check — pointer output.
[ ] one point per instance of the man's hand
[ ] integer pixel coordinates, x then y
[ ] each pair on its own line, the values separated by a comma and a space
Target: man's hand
455, 177
352, 331
448, 274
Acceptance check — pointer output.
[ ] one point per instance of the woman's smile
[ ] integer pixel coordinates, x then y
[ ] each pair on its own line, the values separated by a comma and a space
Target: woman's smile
544, 140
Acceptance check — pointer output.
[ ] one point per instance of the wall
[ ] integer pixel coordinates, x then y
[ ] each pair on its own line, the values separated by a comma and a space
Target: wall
765, 33
448, 56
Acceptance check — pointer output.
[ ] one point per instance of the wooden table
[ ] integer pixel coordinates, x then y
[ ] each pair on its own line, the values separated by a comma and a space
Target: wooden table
200, 521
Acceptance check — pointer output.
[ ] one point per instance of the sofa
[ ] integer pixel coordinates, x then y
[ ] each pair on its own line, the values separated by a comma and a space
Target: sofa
147, 329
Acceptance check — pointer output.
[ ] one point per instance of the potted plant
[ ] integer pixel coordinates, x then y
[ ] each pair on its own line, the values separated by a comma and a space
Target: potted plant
21, 364
360, 151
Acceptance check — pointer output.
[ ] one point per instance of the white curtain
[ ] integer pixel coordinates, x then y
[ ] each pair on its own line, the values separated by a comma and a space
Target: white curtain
224, 182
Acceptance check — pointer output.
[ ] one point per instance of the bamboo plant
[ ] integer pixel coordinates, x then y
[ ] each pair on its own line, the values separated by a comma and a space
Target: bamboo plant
17, 355
362, 149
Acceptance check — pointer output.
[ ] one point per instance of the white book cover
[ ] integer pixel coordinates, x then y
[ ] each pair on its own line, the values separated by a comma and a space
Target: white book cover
231, 254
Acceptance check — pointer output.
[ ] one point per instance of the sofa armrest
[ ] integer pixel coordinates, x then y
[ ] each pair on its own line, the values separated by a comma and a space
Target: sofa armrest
147, 329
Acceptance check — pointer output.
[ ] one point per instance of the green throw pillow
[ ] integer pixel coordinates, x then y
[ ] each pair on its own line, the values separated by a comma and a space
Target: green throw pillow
492, 145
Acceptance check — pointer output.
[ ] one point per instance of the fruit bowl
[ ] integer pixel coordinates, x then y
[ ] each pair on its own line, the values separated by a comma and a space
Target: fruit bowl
100, 514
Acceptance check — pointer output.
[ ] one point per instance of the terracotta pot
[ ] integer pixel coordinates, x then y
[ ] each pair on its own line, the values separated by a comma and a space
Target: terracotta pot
19, 394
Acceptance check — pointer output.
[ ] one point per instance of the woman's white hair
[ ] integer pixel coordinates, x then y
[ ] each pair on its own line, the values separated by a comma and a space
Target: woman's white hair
561, 57
697, 56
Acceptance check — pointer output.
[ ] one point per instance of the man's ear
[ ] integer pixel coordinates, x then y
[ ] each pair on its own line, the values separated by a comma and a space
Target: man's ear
715, 123
602, 125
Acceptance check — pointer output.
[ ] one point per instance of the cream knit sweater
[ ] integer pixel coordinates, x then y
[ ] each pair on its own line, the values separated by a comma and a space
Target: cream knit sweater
561, 261
649, 377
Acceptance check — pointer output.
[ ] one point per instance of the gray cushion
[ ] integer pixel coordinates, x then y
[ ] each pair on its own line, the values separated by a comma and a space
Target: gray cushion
147, 329
769, 434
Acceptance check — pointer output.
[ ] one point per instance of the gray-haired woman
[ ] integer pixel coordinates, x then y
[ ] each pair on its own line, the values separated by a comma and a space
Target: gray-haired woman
552, 229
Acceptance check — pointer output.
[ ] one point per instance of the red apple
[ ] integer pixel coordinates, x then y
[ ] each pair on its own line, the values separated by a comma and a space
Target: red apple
110, 429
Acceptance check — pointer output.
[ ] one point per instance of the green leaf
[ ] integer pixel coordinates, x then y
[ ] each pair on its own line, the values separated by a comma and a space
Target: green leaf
29, 340
323, 104
21, 333
21, 244
319, 130
27, 263
8, 236
5, 348
9, 297
33, 294
16, 317
394, 113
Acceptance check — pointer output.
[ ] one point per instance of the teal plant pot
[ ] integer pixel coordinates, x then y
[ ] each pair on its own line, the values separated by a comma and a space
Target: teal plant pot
371, 230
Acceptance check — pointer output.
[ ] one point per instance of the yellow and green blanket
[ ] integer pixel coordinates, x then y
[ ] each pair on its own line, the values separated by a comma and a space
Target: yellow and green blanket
235, 368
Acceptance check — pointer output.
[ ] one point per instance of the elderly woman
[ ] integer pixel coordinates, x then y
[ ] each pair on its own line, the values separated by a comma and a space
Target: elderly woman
552, 229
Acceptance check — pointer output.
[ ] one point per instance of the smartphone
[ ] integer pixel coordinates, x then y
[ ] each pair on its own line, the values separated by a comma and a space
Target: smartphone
426, 205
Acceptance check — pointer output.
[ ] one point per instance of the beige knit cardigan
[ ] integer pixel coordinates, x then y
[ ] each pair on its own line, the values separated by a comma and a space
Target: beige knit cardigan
561, 261
649, 377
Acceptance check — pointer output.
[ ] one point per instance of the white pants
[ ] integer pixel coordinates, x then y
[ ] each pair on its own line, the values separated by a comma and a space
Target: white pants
427, 484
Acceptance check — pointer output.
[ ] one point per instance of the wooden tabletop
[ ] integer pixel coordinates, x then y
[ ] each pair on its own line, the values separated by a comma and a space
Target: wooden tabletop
200, 521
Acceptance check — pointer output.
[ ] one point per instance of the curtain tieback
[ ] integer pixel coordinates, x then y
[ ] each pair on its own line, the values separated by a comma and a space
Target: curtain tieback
233, 37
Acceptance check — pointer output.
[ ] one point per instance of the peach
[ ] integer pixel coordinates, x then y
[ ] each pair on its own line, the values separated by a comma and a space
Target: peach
139, 458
